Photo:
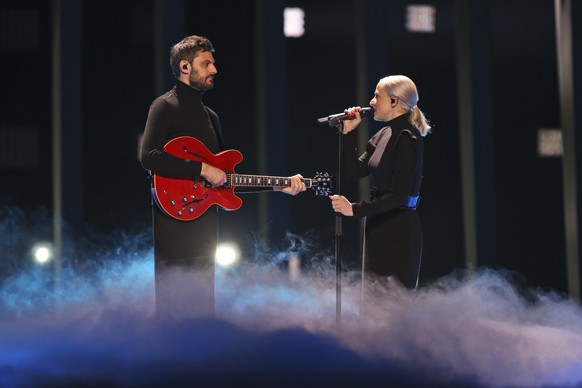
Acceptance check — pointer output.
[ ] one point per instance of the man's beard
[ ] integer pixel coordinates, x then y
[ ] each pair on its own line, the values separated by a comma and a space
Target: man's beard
200, 83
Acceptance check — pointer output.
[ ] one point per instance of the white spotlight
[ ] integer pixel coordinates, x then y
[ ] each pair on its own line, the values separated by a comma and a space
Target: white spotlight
227, 254
294, 22
421, 18
42, 252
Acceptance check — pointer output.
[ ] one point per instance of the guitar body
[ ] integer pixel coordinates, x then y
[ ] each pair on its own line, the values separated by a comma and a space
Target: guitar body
187, 198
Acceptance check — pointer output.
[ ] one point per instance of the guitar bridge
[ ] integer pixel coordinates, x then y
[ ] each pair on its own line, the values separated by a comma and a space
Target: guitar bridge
202, 182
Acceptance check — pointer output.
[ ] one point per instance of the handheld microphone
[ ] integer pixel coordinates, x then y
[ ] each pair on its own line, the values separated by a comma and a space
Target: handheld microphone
364, 112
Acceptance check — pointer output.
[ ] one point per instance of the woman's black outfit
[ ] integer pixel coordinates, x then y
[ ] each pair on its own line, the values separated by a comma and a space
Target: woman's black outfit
393, 236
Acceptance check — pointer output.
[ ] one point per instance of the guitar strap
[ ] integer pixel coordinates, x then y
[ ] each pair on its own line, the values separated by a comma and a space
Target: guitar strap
216, 125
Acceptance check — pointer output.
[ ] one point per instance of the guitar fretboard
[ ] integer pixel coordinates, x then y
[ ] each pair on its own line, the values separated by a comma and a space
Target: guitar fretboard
262, 181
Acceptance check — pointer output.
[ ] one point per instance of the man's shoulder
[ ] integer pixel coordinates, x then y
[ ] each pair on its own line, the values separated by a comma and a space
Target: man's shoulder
166, 100
169, 95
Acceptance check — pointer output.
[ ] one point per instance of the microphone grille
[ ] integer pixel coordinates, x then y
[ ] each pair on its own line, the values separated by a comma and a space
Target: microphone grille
366, 112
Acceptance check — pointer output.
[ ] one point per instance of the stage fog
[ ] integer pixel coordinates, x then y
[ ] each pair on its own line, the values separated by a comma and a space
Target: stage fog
95, 323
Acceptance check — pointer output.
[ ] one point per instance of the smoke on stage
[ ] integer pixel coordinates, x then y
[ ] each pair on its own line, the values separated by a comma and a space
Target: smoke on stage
95, 325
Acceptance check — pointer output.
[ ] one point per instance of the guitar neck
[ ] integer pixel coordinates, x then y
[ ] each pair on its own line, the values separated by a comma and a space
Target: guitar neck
242, 180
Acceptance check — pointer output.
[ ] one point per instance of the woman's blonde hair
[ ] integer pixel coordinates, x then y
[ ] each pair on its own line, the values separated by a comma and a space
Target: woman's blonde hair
402, 87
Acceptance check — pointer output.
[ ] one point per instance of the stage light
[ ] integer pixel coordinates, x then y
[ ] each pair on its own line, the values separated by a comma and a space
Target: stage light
42, 252
421, 18
550, 144
294, 22
227, 254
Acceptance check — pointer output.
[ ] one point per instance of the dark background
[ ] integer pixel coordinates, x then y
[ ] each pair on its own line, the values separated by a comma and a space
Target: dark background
116, 81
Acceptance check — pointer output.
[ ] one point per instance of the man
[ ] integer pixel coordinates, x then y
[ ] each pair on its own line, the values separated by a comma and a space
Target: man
178, 244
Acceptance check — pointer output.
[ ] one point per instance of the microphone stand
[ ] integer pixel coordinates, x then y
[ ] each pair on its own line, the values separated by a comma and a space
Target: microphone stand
339, 124
337, 121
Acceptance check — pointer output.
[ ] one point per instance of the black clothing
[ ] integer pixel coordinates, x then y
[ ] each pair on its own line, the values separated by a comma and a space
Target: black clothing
179, 112
191, 244
393, 236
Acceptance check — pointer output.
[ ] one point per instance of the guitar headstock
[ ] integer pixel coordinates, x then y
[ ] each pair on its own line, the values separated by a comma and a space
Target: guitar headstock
321, 183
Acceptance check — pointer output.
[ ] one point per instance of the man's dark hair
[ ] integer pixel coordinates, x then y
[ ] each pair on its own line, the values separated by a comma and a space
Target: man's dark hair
187, 49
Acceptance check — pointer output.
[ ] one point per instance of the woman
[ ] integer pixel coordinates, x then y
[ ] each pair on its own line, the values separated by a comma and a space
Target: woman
393, 158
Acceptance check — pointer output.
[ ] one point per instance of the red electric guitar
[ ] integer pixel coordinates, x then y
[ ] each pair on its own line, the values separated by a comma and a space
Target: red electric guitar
188, 198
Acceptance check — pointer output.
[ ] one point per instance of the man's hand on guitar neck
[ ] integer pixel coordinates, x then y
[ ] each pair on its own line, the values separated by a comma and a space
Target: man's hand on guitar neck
296, 187
214, 175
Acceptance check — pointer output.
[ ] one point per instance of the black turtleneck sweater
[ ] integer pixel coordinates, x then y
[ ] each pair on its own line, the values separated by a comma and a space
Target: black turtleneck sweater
399, 173
179, 112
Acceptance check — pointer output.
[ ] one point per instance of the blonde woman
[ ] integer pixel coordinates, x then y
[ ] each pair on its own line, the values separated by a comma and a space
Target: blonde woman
393, 159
